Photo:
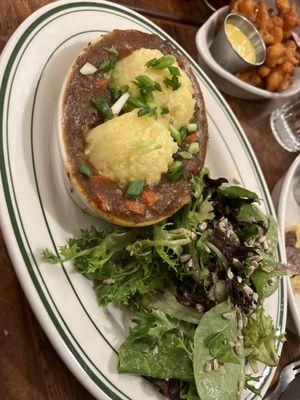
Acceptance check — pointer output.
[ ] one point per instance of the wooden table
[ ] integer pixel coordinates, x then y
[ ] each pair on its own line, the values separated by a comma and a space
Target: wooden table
29, 366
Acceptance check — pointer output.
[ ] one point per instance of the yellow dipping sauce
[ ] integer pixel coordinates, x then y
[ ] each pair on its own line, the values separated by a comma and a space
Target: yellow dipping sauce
240, 43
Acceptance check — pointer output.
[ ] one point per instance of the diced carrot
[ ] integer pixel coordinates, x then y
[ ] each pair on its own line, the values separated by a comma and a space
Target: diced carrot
191, 138
100, 83
135, 207
102, 204
149, 197
101, 178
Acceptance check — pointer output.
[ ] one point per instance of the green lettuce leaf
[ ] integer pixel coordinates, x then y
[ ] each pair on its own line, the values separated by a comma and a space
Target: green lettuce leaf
152, 347
213, 385
127, 282
92, 249
260, 338
168, 304
167, 243
200, 207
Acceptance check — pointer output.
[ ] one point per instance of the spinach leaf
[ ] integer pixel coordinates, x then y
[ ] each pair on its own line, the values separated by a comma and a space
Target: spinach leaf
265, 283
266, 278
152, 347
237, 192
213, 385
251, 213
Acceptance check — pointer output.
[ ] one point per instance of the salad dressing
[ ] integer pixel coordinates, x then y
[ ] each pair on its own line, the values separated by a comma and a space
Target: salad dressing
240, 42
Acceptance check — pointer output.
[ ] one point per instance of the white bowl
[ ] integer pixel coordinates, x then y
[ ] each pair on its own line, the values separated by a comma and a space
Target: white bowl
289, 215
223, 79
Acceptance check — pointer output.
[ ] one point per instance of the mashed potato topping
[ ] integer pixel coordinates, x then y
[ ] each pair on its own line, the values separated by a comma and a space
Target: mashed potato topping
180, 102
129, 148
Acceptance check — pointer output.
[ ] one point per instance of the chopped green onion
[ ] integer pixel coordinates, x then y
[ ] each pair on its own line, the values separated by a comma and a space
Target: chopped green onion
164, 110
115, 92
136, 102
144, 146
161, 63
88, 69
144, 81
146, 92
183, 133
85, 170
174, 71
103, 108
108, 65
191, 128
175, 133
117, 107
124, 89
145, 101
172, 83
134, 189
185, 155
194, 148
113, 50
175, 171
147, 111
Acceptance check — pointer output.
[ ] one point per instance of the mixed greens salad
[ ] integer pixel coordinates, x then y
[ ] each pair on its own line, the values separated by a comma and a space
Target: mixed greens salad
196, 284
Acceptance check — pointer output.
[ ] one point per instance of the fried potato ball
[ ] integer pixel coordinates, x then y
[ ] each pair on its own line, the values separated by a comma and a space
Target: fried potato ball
275, 55
251, 76
274, 81
264, 71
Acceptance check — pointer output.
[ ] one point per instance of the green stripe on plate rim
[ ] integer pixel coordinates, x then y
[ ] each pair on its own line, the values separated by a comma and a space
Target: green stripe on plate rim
3, 171
46, 222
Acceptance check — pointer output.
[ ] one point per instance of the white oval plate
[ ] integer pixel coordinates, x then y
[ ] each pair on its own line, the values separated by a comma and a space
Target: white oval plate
289, 215
36, 212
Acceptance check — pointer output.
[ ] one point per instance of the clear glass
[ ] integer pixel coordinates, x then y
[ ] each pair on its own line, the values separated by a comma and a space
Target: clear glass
285, 124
